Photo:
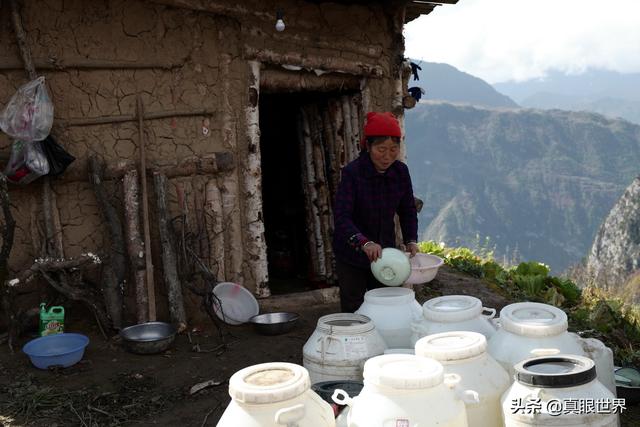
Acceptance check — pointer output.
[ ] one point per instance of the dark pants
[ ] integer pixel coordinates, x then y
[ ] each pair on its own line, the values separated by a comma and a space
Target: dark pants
354, 282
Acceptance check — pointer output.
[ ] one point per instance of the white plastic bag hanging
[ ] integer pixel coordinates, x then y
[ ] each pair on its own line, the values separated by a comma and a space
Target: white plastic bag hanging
29, 114
26, 163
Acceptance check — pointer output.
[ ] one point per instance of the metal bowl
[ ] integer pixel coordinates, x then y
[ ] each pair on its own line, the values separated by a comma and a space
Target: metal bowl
148, 338
274, 323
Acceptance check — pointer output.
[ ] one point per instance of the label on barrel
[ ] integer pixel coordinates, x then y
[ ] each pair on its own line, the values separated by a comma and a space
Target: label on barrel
355, 347
402, 422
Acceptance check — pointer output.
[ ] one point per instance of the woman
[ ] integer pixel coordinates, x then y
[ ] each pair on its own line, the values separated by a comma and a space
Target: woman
373, 188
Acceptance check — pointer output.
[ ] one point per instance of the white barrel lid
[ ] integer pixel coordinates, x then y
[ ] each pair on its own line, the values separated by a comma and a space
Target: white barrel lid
452, 308
449, 346
345, 323
533, 319
403, 372
269, 383
389, 296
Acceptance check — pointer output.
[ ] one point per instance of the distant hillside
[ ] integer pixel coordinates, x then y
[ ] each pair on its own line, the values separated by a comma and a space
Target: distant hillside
446, 83
615, 255
606, 92
536, 182
612, 107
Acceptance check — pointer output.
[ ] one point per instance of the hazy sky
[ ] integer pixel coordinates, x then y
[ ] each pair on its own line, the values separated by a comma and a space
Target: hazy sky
500, 40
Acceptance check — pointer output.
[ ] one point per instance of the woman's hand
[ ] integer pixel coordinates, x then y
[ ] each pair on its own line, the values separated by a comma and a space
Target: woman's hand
373, 250
413, 248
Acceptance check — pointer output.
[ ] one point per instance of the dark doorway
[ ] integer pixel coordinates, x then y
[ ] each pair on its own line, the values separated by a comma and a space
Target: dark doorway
282, 194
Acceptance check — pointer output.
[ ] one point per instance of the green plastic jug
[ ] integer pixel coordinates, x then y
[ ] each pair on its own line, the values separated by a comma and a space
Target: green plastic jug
52, 321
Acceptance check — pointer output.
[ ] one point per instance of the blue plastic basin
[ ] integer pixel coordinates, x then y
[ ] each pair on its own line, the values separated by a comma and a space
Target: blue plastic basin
56, 350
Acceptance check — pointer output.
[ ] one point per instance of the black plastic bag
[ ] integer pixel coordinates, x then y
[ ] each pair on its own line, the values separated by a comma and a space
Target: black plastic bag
58, 157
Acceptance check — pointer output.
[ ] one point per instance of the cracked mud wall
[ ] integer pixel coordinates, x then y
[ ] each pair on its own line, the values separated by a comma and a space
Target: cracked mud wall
178, 59
182, 49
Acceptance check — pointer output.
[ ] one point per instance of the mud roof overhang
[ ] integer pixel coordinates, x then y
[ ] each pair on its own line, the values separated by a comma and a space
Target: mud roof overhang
415, 8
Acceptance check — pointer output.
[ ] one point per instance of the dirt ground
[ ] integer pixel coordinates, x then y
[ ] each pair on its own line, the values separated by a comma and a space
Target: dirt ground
113, 387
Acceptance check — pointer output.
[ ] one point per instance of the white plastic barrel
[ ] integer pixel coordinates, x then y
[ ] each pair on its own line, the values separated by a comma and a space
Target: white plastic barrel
530, 329
400, 351
453, 313
274, 395
406, 390
392, 311
603, 358
559, 390
339, 346
465, 354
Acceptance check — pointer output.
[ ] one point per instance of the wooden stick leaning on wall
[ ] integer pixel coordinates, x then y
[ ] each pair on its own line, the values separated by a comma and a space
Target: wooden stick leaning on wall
65, 280
114, 269
6, 296
214, 218
203, 245
174, 288
51, 219
134, 242
151, 292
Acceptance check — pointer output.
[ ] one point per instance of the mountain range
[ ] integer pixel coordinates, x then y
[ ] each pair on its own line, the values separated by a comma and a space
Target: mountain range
531, 184
610, 93
444, 82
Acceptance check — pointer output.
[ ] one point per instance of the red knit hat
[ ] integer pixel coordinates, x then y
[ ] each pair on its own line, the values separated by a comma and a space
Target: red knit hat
380, 124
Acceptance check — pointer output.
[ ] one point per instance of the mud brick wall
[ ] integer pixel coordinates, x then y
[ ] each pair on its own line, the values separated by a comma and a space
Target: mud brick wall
187, 56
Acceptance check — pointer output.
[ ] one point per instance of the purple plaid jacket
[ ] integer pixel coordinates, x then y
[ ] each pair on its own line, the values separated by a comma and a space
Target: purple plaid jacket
365, 205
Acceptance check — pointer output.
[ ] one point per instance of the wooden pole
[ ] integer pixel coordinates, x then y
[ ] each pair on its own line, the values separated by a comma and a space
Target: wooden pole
255, 244
114, 273
328, 135
229, 185
313, 194
335, 113
134, 242
174, 288
215, 229
123, 118
210, 164
6, 295
283, 81
321, 183
21, 36
325, 63
347, 123
313, 250
56, 64
51, 218
355, 102
151, 293
365, 92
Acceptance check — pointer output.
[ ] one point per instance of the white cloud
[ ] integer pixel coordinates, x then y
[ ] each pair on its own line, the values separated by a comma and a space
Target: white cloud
500, 40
